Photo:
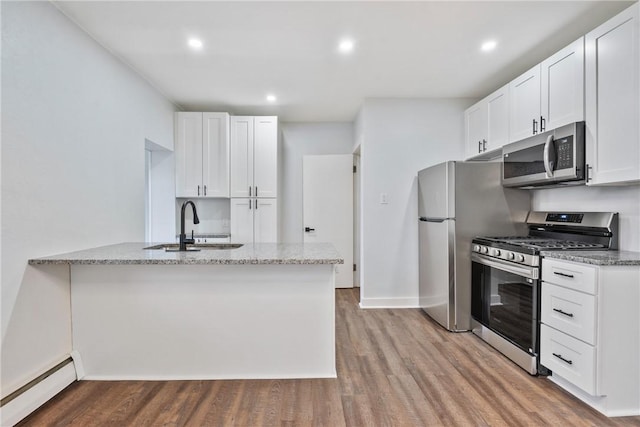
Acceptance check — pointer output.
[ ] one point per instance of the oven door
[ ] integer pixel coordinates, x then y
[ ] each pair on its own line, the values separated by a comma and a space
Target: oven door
504, 298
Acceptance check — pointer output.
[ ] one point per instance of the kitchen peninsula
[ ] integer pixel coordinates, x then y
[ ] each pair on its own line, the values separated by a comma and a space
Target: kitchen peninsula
257, 311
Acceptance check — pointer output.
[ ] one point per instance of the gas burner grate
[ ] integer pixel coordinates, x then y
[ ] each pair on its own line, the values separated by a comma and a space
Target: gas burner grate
545, 243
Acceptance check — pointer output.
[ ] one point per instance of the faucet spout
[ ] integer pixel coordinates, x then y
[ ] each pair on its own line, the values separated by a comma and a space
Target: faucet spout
196, 220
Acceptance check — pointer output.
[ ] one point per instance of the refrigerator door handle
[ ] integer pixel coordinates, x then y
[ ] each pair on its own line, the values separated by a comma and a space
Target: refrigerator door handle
425, 219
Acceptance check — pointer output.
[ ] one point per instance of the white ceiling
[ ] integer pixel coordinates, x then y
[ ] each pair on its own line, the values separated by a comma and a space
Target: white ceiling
403, 49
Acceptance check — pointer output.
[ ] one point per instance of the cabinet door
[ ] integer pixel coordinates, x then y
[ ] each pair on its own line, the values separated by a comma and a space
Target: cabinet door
265, 220
562, 87
215, 154
524, 105
265, 179
241, 156
475, 121
241, 221
497, 118
612, 98
188, 154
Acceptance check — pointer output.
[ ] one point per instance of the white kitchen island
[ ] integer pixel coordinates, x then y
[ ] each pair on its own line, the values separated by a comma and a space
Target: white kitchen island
259, 311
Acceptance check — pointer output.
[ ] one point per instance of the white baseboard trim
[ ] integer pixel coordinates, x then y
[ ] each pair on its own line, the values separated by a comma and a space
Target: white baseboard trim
27, 402
77, 361
208, 377
389, 303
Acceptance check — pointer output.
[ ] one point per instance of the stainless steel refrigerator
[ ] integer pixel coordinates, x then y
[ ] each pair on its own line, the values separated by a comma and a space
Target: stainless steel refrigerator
456, 202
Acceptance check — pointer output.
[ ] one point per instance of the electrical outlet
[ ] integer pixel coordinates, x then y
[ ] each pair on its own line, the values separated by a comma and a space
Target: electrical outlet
383, 199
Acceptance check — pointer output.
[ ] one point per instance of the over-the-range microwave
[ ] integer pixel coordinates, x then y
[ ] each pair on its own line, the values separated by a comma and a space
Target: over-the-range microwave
551, 158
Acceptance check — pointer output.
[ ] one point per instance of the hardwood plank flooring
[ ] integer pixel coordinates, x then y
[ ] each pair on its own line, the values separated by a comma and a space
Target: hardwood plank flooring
395, 368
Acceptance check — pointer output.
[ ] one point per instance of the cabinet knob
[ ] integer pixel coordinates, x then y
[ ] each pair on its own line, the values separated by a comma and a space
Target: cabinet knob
309, 229
535, 126
542, 124
198, 190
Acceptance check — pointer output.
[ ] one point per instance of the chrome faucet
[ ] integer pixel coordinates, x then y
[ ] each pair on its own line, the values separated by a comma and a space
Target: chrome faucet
183, 236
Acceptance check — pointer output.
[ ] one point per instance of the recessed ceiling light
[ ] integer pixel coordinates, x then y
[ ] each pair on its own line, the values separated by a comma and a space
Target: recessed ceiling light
346, 46
271, 98
195, 43
488, 46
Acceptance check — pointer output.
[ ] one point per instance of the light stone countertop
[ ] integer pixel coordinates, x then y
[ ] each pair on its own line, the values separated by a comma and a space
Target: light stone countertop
259, 253
596, 257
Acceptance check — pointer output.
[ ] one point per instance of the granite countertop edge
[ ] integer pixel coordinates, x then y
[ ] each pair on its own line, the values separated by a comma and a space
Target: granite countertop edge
60, 261
249, 254
602, 258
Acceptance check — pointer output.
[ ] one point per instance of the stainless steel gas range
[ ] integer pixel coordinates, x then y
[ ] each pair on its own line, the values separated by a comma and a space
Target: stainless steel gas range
505, 278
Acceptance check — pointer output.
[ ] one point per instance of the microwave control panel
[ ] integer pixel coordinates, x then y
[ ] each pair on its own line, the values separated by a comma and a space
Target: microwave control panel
564, 152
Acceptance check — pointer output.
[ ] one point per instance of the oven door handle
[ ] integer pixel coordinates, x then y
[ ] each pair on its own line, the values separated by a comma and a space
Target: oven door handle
524, 271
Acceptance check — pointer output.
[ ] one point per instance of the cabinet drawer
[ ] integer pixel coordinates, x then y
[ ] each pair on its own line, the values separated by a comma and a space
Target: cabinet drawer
580, 277
569, 358
569, 311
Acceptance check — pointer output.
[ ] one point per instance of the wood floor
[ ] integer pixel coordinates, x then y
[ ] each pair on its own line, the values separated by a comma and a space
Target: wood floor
395, 368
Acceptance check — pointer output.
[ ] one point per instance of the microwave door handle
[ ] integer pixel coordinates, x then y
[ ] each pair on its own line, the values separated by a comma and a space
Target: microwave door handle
549, 158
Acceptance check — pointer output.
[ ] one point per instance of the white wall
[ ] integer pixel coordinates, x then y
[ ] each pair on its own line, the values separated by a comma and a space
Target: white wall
74, 124
298, 140
399, 137
162, 192
624, 200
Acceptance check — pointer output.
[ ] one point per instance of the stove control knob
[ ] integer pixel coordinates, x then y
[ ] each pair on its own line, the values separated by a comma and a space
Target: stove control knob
520, 258
476, 248
510, 255
484, 249
496, 252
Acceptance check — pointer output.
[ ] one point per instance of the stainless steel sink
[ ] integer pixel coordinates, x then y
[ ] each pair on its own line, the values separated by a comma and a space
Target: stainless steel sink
173, 247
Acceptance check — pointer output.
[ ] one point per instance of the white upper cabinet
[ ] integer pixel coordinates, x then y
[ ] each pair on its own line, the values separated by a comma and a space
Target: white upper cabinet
202, 154
487, 123
524, 105
475, 122
549, 95
215, 154
265, 160
254, 156
562, 83
188, 154
498, 118
612, 100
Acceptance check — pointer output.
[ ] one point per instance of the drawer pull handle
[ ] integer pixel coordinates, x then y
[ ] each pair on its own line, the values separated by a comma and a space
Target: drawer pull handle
563, 274
559, 356
563, 312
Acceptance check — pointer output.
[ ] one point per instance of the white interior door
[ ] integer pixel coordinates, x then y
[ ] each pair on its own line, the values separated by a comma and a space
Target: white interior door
327, 198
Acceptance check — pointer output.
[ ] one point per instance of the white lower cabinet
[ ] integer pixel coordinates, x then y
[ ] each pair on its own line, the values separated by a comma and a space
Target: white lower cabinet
590, 333
254, 220
265, 220
571, 358
569, 311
